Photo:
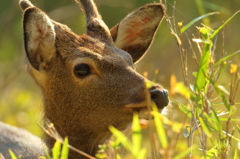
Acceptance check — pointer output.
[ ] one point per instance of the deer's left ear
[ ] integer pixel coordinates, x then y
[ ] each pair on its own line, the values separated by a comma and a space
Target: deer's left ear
134, 34
39, 37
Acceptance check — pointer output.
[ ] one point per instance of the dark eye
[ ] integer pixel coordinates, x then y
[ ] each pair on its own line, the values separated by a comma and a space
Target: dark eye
82, 70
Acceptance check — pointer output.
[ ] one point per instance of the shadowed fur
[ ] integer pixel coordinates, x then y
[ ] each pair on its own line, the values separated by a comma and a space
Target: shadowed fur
88, 81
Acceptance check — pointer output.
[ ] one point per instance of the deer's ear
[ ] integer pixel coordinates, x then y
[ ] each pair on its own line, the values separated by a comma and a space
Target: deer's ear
135, 32
39, 37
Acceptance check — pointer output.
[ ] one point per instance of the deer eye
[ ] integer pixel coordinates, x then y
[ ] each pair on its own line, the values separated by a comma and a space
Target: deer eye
82, 70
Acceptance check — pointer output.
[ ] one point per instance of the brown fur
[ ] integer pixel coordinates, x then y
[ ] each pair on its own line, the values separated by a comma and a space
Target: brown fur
83, 108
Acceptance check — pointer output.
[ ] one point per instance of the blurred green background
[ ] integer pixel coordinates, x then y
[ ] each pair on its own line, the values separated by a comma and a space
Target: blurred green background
20, 98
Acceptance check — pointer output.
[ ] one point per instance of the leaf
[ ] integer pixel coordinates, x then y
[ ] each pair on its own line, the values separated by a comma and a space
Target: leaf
65, 149
13, 156
220, 93
122, 138
225, 58
184, 109
219, 28
186, 152
136, 135
56, 150
210, 153
217, 123
183, 29
205, 126
236, 154
159, 127
186, 131
203, 67
142, 154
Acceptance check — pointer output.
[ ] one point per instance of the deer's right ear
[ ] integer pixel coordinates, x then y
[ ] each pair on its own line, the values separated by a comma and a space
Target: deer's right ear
39, 37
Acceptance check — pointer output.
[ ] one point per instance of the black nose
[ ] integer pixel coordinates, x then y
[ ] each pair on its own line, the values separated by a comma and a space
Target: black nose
160, 97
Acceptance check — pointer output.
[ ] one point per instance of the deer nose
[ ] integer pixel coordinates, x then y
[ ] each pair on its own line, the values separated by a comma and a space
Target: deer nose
160, 97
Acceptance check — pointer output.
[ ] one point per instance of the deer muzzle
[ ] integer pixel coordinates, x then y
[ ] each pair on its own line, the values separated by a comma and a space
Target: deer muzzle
160, 97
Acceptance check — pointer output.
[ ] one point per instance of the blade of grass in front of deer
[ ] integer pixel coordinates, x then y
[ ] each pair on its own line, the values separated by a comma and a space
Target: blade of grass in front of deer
225, 58
186, 152
122, 138
220, 28
136, 135
159, 127
13, 156
142, 154
118, 156
56, 150
65, 149
236, 154
183, 29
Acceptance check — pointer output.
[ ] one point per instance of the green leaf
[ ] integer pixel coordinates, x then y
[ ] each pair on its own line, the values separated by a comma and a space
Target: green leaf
219, 28
217, 123
56, 150
220, 93
13, 156
142, 154
183, 29
205, 127
236, 154
186, 131
136, 135
186, 152
210, 153
65, 149
203, 68
184, 109
225, 58
122, 138
159, 127
118, 156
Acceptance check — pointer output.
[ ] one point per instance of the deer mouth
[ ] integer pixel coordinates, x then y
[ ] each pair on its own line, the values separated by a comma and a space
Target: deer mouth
144, 111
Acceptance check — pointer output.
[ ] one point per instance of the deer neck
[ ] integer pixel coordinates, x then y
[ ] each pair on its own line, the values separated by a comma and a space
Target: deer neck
67, 125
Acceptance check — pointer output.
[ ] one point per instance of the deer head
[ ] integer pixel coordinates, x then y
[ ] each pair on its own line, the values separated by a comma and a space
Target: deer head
88, 81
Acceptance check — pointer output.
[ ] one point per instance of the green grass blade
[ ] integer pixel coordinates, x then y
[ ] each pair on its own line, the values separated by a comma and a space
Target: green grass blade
65, 149
183, 29
159, 127
136, 135
56, 150
118, 156
13, 156
236, 154
225, 58
186, 152
142, 154
122, 138
220, 28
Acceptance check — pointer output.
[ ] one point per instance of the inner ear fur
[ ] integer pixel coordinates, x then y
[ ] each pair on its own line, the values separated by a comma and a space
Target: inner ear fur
134, 34
39, 37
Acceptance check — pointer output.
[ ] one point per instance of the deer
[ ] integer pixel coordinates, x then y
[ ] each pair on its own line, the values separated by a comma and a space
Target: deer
88, 81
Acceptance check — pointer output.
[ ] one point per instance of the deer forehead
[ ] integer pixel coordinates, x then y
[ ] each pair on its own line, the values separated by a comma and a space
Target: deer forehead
74, 47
